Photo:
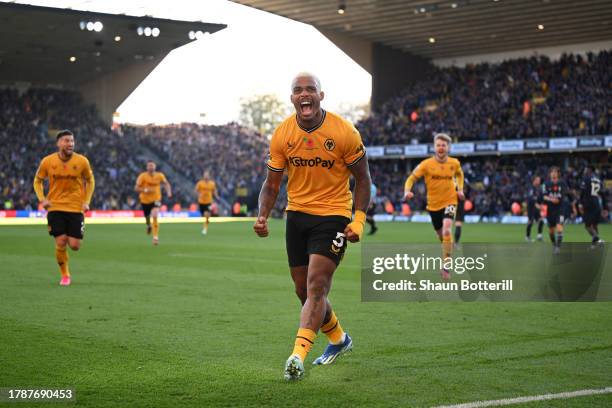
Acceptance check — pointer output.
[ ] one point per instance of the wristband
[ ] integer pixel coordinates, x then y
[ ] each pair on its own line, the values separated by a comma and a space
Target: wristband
360, 217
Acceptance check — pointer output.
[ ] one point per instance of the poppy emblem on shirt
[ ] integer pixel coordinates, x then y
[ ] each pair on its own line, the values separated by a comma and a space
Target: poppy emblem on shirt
329, 145
308, 142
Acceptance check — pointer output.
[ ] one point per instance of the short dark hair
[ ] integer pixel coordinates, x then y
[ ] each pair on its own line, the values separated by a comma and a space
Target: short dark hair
63, 133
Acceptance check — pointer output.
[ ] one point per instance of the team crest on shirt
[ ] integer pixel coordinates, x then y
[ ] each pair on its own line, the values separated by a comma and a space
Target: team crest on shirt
329, 145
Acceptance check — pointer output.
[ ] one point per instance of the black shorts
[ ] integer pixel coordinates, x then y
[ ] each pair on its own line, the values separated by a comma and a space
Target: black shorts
533, 213
591, 215
147, 208
460, 215
554, 216
315, 234
66, 223
437, 217
204, 208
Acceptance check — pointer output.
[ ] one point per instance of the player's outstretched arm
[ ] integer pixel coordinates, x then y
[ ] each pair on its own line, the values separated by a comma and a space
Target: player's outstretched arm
418, 172
39, 186
267, 198
39, 189
408, 194
460, 178
363, 182
90, 185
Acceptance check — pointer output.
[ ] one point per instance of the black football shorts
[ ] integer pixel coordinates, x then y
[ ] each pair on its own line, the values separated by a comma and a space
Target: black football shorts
437, 217
66, 223
308, 234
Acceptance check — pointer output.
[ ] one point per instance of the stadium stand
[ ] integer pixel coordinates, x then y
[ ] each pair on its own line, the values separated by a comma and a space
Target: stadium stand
234, 155
28, 123
521, 98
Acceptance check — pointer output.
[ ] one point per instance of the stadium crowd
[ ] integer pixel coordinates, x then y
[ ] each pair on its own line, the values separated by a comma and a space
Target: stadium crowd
28, 124
29, 121
234, 155
514, 99
521, 98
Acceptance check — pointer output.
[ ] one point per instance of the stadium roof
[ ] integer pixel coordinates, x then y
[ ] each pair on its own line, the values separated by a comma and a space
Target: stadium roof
37, 43
453, 28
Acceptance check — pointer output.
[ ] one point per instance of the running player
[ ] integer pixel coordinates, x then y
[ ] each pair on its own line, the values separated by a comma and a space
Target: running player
553, 194
590, 203
71, 186
444, 182
148, 184
534, 201
206, 189
319, 150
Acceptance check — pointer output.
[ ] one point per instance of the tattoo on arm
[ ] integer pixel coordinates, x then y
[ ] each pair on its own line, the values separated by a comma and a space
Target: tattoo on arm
269, 192
361, 172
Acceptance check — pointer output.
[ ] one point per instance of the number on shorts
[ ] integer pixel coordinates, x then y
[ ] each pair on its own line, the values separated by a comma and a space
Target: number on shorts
339, 241
450, 210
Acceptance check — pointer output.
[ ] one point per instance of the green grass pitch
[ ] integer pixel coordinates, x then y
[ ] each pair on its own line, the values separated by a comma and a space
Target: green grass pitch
209, 321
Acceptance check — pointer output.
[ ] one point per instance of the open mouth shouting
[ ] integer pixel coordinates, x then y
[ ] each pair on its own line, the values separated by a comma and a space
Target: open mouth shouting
306, 108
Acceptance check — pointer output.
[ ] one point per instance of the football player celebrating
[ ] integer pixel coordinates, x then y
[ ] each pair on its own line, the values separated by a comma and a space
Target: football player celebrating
71, 186
148, 184
320, 151
444, 182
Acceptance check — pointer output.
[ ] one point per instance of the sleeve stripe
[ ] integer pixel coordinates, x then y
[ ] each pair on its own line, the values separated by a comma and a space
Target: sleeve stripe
275, 169
354, 162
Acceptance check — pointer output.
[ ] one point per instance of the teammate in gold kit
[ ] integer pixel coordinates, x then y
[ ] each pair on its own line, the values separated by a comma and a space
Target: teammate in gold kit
71, 186
444, 182
319, 150
149, 185
206, 189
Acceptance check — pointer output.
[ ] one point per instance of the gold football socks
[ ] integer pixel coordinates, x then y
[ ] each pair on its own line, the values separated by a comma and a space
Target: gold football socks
62, 260
303, 342
333, 330
155, 228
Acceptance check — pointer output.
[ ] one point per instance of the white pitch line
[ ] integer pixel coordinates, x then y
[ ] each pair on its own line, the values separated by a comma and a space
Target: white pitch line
522, 400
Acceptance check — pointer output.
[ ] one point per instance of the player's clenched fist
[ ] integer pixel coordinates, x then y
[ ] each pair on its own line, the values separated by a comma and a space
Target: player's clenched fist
261, 227
354, 230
